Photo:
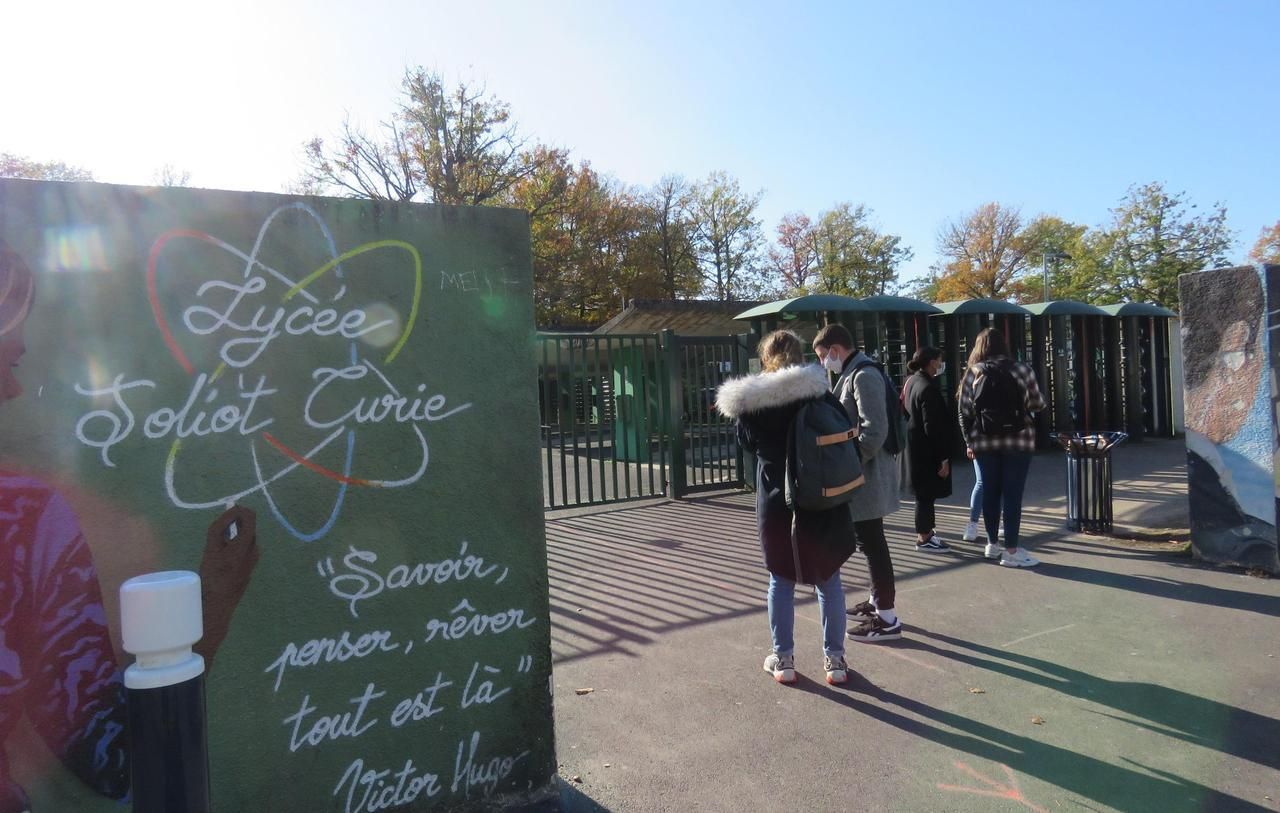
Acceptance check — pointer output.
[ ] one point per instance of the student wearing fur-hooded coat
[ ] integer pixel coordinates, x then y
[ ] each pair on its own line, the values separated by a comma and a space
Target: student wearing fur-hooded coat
763, 405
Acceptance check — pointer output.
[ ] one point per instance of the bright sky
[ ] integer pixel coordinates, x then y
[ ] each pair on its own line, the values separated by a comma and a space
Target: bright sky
921, 110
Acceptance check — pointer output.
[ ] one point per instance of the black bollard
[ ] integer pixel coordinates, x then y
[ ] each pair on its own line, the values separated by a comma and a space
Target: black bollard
168, 743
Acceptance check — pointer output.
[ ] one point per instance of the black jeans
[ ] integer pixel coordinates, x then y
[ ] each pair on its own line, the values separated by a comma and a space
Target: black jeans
870, 536
926, 518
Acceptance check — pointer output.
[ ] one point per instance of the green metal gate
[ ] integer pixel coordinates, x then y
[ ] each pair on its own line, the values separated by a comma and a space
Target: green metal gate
627, 417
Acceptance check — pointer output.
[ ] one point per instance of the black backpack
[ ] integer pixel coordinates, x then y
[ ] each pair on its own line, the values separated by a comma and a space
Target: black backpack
998, 404
896, 440
824, 465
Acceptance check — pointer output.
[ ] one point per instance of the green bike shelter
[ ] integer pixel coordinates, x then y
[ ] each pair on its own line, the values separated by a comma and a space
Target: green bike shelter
1069, 354
1140, 385
891, 328
958, 323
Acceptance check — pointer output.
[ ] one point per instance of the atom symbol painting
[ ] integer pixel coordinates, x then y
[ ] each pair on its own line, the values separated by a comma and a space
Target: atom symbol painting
262, 416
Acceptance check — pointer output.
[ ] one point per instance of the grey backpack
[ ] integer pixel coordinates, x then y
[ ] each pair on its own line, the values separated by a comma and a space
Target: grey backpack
824, 465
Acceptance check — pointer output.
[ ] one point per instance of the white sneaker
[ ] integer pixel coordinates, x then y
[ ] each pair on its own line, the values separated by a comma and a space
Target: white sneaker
837, 670
993, 551
970, 532
1019, 558
782, 667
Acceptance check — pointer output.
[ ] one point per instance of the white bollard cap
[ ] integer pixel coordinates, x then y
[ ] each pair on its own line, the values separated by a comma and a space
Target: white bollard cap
160, 619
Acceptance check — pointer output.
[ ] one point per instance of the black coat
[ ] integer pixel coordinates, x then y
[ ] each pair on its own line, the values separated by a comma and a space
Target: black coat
930, 437
764, 406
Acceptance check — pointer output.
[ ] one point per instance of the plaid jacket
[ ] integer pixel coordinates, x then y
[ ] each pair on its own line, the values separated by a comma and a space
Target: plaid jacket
1033, 401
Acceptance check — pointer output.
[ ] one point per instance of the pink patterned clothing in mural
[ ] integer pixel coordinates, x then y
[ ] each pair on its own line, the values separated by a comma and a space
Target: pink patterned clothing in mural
57, 665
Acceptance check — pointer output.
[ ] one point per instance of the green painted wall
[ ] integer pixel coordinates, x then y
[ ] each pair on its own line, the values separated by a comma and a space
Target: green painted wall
190, 349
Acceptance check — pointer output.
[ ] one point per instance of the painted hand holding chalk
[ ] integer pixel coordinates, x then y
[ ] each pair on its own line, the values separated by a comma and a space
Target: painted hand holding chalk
231, 553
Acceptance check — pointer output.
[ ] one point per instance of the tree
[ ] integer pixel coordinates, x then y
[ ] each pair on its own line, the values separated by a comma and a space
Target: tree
19, 166
983, 254
169, 175
1267, 249
586, 251
793, 258
840, 253
1054, 243
666, 239
452, 145
1152, 239
727, 237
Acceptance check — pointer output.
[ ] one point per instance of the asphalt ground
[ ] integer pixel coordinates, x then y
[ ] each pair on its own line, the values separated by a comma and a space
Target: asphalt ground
1118, 675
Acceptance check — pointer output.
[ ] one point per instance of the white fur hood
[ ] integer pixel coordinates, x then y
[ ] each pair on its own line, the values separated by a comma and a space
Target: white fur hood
756, 393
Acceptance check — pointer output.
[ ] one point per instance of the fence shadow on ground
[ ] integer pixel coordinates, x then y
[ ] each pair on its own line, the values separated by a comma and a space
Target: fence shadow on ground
624, 576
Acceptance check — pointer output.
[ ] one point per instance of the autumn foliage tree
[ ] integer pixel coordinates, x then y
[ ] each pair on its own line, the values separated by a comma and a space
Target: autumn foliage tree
1152, 239
666, 242
793, 257
984, 253
840, 253
446, 144
727, 237
1267, 247
20, 166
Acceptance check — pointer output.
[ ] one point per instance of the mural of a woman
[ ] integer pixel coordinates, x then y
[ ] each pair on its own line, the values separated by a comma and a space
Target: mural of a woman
58, 666
1230, 433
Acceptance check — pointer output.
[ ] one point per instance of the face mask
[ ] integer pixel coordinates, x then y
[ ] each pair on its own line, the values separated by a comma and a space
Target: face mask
832, 363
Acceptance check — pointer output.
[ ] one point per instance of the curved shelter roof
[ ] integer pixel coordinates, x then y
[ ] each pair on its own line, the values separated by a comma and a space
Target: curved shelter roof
964, 306
1137, 309
810, 303
1065, 307
898, 304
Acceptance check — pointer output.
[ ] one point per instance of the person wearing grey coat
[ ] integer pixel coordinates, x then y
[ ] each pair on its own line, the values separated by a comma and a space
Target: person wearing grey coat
861, 389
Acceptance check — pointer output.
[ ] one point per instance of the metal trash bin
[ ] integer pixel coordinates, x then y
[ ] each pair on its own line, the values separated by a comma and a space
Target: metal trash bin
1089, 479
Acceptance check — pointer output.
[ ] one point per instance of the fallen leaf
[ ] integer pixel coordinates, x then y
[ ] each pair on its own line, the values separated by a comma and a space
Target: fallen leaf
976, 690
583, 691
1037, 720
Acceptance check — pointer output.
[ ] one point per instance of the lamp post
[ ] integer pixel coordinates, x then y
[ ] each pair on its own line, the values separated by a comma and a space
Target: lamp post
1053, 255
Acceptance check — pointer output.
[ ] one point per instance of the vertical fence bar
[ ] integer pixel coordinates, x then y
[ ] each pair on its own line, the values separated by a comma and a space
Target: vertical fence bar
560, 416
662, 414
546, 421
642, 388
598, 470
573, 426
704, 428
614, 372
689, 378
722, 438
675, 403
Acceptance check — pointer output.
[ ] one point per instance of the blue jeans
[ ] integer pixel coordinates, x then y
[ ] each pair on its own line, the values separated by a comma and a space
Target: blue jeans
975, 499
1004, 478
782, 614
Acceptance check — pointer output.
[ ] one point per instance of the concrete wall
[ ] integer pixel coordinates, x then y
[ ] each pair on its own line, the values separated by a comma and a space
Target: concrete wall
1230, 399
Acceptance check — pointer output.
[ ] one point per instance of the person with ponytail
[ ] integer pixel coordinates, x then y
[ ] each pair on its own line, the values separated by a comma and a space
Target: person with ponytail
930, 439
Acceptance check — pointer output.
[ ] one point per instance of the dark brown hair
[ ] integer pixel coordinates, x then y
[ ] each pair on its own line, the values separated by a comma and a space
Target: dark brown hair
923, 357
833, 335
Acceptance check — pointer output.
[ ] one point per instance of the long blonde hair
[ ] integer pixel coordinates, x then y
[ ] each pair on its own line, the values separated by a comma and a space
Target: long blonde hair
779, 349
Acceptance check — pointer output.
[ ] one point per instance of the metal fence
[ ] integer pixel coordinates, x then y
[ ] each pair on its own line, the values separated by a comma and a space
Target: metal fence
631, 416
